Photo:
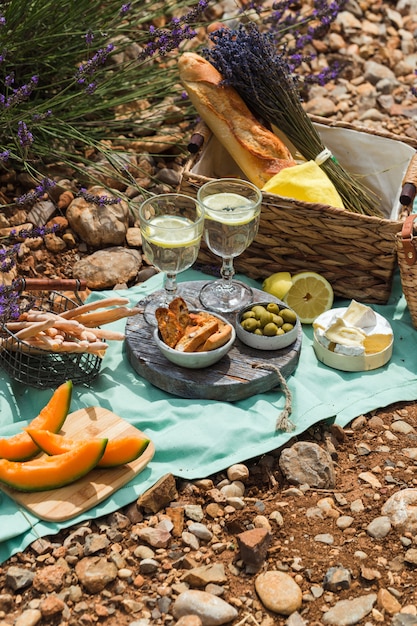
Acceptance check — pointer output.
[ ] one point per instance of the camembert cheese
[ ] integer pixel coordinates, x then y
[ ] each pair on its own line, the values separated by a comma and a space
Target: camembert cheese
359, 315
354, 331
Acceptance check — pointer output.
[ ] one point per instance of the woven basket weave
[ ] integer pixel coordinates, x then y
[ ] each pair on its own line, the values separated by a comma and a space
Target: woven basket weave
407, 262
356, 253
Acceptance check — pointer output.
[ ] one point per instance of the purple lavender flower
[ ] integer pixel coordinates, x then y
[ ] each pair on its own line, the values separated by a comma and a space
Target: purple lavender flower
9, 79
96, 199
24, 135
21, 94
5, 155
2, 20
87, 69
8, 257
125, 8
89, 37
38, 117
165, 40
32, 196
9, 303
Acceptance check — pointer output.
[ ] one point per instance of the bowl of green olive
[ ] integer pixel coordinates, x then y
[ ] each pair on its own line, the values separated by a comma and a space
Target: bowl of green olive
267, 325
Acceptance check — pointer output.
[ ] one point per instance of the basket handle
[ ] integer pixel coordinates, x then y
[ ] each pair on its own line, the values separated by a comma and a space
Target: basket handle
51, 284
407, 236
409, 184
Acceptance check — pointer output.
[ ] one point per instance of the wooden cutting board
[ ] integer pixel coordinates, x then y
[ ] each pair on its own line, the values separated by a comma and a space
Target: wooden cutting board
66, 502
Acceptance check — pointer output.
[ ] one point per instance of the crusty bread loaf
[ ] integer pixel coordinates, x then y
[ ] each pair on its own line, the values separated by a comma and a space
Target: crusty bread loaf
257, 151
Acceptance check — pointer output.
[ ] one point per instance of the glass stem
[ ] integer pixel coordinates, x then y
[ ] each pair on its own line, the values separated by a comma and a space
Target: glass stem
227, 270
170, 286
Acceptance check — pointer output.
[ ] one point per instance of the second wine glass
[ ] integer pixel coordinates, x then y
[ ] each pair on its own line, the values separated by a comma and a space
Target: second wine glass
232, 213
171, 226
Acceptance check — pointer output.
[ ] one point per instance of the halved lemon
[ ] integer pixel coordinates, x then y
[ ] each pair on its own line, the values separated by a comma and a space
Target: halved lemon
278, 284
309, 296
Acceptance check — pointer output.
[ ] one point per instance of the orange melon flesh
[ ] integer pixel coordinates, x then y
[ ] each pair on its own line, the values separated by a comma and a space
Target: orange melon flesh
117, 452
21, 447
51, 472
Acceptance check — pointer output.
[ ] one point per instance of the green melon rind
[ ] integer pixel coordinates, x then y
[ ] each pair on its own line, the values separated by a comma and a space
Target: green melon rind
55, 449
141, 449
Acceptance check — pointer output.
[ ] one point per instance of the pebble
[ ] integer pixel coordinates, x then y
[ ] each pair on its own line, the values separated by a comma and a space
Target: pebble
278, 592
212, 610
379, 527
349, 612
239, 471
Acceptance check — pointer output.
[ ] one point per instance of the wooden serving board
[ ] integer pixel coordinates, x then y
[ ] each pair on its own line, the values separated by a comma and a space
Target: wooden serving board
61, 504
236, 376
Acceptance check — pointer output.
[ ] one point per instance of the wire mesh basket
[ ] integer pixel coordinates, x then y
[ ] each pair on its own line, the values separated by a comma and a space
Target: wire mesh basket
43, 368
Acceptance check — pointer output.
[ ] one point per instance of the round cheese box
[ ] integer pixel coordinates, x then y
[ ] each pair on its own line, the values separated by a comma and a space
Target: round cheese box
360, 349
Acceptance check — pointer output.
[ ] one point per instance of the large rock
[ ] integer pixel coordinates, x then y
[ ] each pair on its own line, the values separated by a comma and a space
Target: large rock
307, 463
106, 268
98, 224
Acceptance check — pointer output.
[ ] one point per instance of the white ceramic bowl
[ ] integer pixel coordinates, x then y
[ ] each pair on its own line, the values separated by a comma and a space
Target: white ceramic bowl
261, 342
195, 360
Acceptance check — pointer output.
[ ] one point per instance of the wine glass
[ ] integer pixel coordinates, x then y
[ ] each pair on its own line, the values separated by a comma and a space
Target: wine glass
171, 225
232, 213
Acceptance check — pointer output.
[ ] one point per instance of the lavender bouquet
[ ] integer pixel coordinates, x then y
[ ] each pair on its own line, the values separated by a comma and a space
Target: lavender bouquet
250, 62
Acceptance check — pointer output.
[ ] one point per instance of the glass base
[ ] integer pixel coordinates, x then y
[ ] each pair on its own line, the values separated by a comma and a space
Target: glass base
225, 297
153, 302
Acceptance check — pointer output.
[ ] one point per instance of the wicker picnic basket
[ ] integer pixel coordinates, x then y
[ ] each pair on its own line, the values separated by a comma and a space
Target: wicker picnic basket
407, 262
355, 252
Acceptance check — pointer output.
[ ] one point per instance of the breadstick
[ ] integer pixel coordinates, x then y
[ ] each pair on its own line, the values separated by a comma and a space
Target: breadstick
104, 333
34, 329
92, 306
51, 343
98, 318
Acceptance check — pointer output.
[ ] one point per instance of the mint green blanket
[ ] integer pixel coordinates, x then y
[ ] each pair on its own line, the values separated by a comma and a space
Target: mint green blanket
196, 438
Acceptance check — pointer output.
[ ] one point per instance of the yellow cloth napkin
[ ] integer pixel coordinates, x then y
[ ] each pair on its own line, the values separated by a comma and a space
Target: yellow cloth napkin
306, 182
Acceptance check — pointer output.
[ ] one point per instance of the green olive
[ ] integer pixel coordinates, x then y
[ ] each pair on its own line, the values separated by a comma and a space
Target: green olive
288, 316
281, 331
250, 324
259, 310
277, 319
272, 307
265, 318
258, 331
270, 330
287, 327
247, 314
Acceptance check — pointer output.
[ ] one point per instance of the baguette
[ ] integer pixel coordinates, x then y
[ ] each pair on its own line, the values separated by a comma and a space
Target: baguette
258, 152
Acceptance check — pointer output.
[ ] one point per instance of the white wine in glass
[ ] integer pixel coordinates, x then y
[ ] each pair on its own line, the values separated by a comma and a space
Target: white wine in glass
171, 225
232, 213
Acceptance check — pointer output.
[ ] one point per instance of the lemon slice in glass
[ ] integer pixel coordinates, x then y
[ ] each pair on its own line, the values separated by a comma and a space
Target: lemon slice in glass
309, 296
170, 231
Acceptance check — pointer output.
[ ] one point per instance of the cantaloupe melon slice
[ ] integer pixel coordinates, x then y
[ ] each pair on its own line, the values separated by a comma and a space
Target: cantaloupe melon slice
118, 451
21, 446
51, 472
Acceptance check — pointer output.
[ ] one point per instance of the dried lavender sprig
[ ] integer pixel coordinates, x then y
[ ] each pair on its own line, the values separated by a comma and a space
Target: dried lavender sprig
249, 62
99, 200
32, 196
9, 303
